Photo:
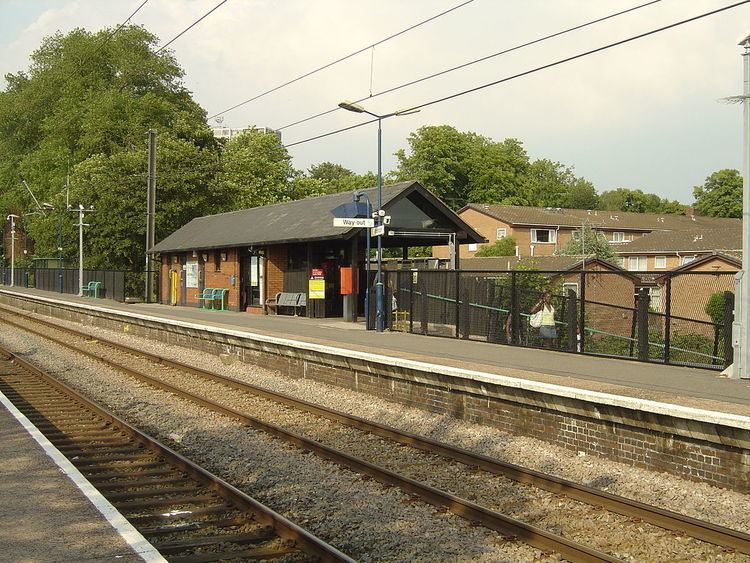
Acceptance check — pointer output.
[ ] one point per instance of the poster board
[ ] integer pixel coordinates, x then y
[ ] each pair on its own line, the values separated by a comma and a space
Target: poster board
191, 274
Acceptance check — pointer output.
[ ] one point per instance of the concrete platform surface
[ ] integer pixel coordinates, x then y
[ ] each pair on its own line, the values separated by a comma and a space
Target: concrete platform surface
44, 516
689, 387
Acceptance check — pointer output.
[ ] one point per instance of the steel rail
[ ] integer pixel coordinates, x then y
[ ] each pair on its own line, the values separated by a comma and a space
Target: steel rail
506, 525
666, 519
283, 528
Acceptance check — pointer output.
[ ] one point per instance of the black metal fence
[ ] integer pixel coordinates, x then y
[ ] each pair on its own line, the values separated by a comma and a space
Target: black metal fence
115, 284
676, 318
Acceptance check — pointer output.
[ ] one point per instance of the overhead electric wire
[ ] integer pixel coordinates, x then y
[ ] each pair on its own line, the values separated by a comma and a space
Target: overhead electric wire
341, 59
533, 70
191, 26
475, 61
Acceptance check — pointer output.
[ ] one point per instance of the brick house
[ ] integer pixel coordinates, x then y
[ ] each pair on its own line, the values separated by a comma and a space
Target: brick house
542, 231
257, 253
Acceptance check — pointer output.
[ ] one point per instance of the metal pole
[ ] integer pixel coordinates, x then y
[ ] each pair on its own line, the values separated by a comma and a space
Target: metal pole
59, 249
367, 270
742, 353
80, 252
150, 210
12, 248
379, 310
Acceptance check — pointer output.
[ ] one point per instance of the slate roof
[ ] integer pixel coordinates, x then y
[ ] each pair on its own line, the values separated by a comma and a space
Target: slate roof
696, 240
293, 221
611, 220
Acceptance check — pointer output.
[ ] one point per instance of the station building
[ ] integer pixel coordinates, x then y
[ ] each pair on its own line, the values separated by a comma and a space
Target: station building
258, 253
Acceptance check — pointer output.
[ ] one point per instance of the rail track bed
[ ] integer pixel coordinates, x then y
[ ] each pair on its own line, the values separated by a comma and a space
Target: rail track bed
548, 513
186, 513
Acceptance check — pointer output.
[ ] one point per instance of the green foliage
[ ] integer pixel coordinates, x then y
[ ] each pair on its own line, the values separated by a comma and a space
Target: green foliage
256, 170
720, 195
506, 246
83, 107
553, 184
636, 201
588, 242
715, 307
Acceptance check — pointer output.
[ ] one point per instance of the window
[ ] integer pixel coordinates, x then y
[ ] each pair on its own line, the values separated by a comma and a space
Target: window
543, 235
570, 285
637, 263
660, 261
472, 247
687, 259
575, 235
618, 237
502, 232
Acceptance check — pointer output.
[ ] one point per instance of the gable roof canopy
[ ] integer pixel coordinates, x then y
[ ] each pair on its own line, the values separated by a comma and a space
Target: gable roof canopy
610, 220
310, 219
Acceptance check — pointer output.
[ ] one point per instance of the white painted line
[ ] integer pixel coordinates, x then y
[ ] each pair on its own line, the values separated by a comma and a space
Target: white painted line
132, 537
668, 409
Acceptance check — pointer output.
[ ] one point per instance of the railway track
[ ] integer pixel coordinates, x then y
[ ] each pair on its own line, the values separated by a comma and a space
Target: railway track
188, 514
102, 350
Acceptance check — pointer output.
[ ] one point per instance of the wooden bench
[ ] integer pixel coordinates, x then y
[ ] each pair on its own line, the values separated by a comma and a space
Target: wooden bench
285, 299
211, 296
92, 289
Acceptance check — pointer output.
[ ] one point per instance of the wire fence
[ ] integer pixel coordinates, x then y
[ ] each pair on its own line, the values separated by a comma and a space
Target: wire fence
676, 318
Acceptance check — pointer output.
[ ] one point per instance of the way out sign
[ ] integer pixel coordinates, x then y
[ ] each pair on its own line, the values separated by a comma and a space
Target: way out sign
353, 223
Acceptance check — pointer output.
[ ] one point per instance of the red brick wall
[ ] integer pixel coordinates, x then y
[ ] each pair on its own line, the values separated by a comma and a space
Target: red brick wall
275, 267
229, 267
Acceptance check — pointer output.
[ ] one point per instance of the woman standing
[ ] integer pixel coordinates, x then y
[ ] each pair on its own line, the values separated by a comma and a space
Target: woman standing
547, 330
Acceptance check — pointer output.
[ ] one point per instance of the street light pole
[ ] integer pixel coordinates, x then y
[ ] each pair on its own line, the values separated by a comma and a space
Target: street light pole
12, 219
379, 305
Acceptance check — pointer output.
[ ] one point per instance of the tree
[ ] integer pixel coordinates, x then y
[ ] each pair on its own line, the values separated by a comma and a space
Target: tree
505, 246
256, 170
715, 307
588, 242
637, 201
83, 107
720, 195
461, 167
553, 184
115, 186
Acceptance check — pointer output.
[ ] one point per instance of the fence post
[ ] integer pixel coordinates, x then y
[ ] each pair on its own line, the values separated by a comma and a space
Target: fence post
728, 320
458, 302
571, 314
423, 302
667, 318
643, 324
515, 316
411, 301
582, 313
465, 318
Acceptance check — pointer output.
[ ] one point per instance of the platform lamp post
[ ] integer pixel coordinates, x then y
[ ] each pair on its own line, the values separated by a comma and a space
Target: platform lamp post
351, 106
357, 197
12, 218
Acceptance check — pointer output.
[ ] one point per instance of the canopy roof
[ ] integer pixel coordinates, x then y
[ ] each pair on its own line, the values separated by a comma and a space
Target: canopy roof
414, 209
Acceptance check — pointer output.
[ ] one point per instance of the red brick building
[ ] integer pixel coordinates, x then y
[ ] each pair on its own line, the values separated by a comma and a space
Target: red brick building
260, 252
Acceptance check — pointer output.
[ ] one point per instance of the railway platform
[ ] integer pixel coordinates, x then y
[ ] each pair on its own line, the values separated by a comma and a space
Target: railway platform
48, 515
686, 421
684, 386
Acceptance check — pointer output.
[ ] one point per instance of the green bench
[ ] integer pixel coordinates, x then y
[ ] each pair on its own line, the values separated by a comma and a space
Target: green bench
212, 296
92, 289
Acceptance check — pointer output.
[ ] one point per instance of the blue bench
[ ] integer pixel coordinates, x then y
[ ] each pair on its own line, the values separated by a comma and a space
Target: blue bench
211, 297
92, 289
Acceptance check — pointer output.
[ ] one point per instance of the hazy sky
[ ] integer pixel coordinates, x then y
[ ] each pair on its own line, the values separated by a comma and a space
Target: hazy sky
644, 115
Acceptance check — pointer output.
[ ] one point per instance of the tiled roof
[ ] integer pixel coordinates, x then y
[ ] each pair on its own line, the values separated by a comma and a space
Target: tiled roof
612, 220
696, 240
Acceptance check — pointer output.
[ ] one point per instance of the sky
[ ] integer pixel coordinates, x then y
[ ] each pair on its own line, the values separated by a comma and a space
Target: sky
646, 115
